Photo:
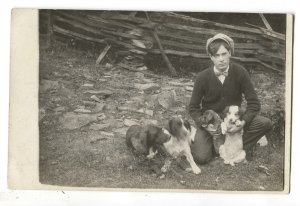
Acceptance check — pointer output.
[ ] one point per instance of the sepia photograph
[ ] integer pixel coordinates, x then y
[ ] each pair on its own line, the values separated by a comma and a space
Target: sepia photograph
183, 101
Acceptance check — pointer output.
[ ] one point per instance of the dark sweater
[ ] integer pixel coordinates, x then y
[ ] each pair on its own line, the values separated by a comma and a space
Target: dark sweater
209, 93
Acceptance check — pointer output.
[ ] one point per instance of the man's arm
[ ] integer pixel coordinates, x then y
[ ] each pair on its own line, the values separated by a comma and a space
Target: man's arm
196, 100
253, 104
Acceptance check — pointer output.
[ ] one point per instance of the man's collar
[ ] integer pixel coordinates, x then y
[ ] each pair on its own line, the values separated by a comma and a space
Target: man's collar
216, 71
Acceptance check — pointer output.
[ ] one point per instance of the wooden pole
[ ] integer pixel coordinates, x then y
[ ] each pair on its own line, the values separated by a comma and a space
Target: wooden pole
103, 53
263, 18
166, 59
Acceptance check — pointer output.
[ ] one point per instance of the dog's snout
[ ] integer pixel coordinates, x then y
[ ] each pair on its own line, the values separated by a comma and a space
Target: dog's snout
231, 120
184, 133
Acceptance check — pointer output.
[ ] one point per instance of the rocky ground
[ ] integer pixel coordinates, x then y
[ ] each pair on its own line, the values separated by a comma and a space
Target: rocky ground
85, 111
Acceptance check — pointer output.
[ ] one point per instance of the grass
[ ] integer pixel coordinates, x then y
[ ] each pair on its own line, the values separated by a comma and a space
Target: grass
72, 158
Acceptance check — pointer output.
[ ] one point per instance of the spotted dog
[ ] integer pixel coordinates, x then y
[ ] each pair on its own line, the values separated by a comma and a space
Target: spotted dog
232, 150
182, 135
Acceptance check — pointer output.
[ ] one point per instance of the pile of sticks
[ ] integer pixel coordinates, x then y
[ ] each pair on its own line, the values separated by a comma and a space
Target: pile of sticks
169, 33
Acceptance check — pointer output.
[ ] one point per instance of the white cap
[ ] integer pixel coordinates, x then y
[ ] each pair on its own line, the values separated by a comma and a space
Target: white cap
224, 37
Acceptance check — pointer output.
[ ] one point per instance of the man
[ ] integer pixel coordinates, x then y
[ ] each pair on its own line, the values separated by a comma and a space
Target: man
224, 84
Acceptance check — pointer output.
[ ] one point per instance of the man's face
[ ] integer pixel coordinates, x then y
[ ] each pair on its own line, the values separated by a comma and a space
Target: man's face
221, 58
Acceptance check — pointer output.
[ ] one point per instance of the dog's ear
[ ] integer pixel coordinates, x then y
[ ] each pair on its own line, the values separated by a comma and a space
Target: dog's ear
225, 111
167, 125
152, 131
187, 125
171, 127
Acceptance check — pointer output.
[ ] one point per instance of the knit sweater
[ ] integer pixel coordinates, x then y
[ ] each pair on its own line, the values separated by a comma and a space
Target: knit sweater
209, 93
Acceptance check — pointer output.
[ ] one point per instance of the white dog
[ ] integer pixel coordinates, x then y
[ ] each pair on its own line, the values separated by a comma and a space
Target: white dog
232, 150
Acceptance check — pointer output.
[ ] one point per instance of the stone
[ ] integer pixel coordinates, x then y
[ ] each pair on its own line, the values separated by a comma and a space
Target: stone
189, 88
109, 160
130, 122
167, 99
147, 80
114, 123
138, 43
139, 75
80, 110
141, 111
147, 87
137, 101
110, 107
49, 138
149, 121
104, 92
143, 68
167, 88
264, 169
97, 139
94, 97
178, 109
42, 113
146, 111
73, 121
175, 83
98, 107
101, 116
182, 182
54, 162
108, 65
151, 100
46, 85
87, 75
89, 103
88, 85
122, 131
99, 126
66, 92
55, 99
107, 134
59, 109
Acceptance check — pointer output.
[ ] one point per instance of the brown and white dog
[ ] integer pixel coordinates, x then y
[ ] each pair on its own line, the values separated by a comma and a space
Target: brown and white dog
232, 150
182, 135
145, 139
211, 122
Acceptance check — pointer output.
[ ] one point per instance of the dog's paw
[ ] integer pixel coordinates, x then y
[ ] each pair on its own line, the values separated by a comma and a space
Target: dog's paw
196, 170
164, 169
150, 156
189, 169
238, 123
226, 162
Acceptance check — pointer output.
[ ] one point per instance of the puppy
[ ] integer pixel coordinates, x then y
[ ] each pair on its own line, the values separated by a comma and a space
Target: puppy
145, 139
182, 135
211, 122
232, 150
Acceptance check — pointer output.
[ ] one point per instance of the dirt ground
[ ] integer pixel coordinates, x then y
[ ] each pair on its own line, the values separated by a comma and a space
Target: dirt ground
91, 152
